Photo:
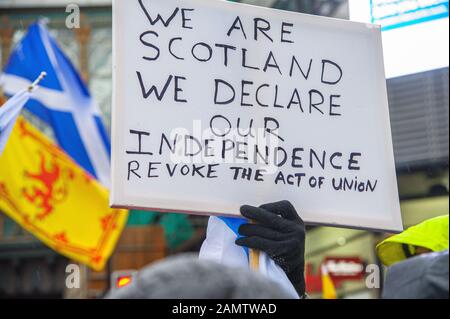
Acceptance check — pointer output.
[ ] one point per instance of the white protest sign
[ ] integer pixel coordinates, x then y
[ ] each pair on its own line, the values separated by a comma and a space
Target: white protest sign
218, 104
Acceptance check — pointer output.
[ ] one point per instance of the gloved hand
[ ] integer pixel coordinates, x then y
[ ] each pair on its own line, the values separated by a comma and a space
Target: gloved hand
278, 231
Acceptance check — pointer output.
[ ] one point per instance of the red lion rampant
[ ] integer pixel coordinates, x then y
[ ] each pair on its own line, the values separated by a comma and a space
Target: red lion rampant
51, 188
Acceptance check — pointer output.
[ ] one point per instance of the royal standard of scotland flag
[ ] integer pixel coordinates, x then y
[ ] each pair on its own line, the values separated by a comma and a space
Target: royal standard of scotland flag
63, 101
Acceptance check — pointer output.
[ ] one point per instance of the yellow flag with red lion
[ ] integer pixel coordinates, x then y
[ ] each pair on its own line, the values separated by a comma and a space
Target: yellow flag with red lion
49, 195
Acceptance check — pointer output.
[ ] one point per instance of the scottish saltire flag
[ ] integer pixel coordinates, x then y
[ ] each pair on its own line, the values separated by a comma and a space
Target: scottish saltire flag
9, 112
63, 101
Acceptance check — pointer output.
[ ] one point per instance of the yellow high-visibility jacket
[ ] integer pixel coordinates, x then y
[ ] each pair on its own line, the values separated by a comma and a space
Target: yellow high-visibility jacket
431, 234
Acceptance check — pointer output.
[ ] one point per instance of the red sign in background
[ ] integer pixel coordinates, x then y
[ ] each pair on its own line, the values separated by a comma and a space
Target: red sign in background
340, 269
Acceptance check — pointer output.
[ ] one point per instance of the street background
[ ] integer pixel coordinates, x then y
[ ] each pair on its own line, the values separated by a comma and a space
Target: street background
419, 109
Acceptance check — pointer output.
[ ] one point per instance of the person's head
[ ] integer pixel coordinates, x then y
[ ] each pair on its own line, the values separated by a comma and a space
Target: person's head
187, 277
426, 237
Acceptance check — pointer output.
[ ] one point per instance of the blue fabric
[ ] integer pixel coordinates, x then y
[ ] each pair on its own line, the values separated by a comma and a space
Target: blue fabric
27, 60
104, 135
234, 223
69, 139
77, 84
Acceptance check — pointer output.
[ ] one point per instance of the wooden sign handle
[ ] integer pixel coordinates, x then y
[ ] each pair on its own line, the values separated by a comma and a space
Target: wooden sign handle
253, 257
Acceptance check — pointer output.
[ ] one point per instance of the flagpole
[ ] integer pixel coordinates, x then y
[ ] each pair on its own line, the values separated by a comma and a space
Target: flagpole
36, 82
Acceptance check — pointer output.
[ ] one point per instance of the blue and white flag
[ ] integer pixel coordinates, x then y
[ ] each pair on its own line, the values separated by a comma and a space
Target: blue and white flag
220, 247
63, 101
9, 113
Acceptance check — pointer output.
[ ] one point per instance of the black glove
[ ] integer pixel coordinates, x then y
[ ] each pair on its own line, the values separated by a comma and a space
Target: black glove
279, 232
